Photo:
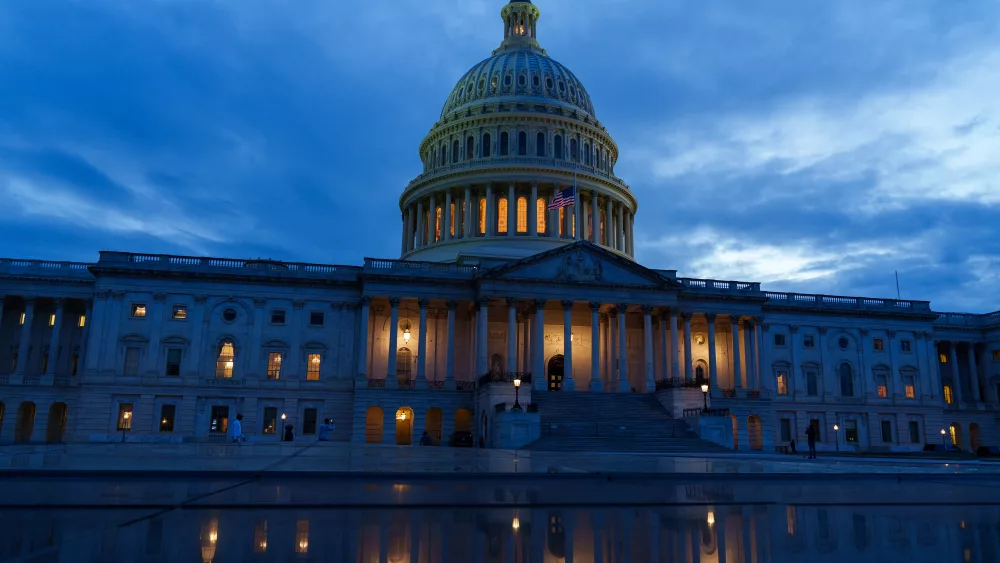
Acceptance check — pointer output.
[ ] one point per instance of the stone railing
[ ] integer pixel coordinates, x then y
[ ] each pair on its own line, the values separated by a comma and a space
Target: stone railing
223, 381
407, 268
694, 413
229, 265
45, 268
678, 383
376, 384
465, 385
504, 378
843, 302
582, 170
722, 286
969, 319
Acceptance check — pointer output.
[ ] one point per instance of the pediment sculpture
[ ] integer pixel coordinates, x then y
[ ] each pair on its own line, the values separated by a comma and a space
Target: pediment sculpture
578, 266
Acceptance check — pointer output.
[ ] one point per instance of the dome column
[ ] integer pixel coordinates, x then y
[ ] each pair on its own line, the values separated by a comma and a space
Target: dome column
533, 211
446, 235
432, 219
607, 223
511, 211
420, 224
491, 218
595, 218
467, 215
620, 229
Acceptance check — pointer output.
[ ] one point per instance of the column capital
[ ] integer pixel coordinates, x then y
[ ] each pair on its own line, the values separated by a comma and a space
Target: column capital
647, 309
511, 302
757, 319
483, 301
534, 185
423, 303
366, 300
298, 303
58, 302
734, 318
116, 295
261, 301
159, 297
765, 327
863, 331
891, 333
711, 317
687, 316
394, 301
793, 328
623, 308
29, 301
567, 304
595, 305
748, 324
822, 330
452, 304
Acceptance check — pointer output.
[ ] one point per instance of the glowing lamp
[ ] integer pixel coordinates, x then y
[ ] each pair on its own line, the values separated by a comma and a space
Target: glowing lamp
711, 518
406, 335
517, 382
515, 524
704, 388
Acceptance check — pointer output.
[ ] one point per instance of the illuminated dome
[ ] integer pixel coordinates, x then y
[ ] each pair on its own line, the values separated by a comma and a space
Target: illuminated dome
517, 132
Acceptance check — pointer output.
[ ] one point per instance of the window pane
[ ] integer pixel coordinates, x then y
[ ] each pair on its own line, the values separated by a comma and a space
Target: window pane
482, 216
124, 416
522, 214
502, 216
312, 369
270, 423
316, 318
274, 365
131, 360
224, 362
309, 422
167, 413
179, 312
914, 432
174, 362
886, 432
219, 423
540, 212
138, 310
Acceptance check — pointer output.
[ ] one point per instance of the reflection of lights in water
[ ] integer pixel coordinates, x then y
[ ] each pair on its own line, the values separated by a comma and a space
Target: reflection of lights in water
711, 518
400, 487
213, 537
302, 536
515, 524
209, 538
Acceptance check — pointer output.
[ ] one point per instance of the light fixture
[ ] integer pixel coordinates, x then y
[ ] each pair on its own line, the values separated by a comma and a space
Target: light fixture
229, 364
401, 415
704, 396
571, 337
517, 382
836, 427
406, 335
164, 421
517, 394
711, 518
942, 432
283, 416
315, 359
515, 524
704, 388
213, 537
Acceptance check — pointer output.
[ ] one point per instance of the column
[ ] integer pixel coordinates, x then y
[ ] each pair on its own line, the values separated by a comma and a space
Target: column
713, 370
553, 223
737, 376
448, 219
533, 211
973, 374
612, 350
664, 355
628, 234
406, 224
420, 224
595, 218
623, 383
511, 216
595, 347
482, 356
511, 334
568, 383
467, 221
362, 368
577, 213
538, 331
491, 217
50, 365
393, 337
432, 219
607, 223
647, 327
753, 381
24, 345
619, 230
956, 381
421, 382
688, 356
675, 348
449, 374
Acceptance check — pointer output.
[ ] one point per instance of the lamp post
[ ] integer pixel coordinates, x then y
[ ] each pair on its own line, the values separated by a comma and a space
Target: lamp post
704, 395
944, 440
836, 436
127, 416
517, 394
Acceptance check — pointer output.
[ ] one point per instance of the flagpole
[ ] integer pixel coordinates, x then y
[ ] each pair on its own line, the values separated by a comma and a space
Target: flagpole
897, 284
576, 206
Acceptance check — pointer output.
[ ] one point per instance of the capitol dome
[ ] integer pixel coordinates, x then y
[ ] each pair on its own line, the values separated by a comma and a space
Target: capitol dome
517, 163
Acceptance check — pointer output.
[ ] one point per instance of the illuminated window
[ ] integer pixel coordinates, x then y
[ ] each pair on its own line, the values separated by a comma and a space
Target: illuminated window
302, 536
943, 358
562, 221
883, 390
947, 394
437, 223
124, 416
260, 537
953, 434
219, 421
274, 365
52, 319
138, 310
502, 216
451, 223
179, 312
82, 322
269, 425
167, 413
879, 344
22, 319
131, 360
224, 361
791, 520
782, 383
312, 368
996, 355
541, 209
908, 387
522, 214
482, 216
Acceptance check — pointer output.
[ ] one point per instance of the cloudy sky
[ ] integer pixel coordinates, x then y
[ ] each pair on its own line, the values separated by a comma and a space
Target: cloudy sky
813, 146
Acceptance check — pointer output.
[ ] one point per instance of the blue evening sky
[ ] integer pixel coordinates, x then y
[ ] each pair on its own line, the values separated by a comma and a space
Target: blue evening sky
814, 146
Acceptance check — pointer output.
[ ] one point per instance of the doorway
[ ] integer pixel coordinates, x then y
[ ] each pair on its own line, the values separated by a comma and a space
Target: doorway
57, 423
555, 373
404, 426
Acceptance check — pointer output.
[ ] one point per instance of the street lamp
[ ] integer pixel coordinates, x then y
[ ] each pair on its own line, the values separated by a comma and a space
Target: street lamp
704, 394
943, 439
517, 394
127, 416
836, 436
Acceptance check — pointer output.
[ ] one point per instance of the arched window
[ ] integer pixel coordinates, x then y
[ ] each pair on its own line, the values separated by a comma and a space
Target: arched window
437, 224
502, 216
454, 151
404, 363
434, 158
522, 214
782, 382
846, 380
470, 148
586, 154
451, 222
541, 209
504, 144
444, 154
604, 227
540, 144
225, 360
482, 216
572, 151
558, 146
562, 221
522, 143
486, 145
812, 383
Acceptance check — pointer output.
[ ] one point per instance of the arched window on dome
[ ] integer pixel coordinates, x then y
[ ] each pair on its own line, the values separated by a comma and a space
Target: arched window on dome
540, 144
470, 147
572, 151
451, 221
586, 154
502, 216
437, 223
444, 154
504, 143
562, 221
434, 158
455, 147
482, 216
604, 227
487, 152
541, 209
522, 214
522, 144
558, 146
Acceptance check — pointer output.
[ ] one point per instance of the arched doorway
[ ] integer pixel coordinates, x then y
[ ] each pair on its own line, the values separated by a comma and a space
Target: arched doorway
57, 423
555, 373
25, 422
435, 420
755, 430
374, 420
555, 537
463, 420
955, 433
974, 438
736, 432
404, 426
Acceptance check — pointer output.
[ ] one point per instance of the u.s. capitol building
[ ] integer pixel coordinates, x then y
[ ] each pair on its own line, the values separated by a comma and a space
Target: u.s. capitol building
495, 282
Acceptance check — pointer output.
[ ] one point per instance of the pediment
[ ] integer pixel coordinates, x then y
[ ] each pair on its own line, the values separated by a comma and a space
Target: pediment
580, 262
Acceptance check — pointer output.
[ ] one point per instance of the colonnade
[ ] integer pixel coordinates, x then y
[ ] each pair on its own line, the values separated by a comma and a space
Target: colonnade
989, 392
516, 210
55, 313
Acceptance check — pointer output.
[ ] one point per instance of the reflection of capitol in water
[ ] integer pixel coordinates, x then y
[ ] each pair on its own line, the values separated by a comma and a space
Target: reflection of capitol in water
737, 534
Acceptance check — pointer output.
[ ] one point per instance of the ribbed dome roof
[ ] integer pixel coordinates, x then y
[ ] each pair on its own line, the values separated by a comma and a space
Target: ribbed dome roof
519, 74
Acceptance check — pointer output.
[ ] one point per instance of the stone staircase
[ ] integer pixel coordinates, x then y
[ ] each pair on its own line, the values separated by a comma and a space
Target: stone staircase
612, 422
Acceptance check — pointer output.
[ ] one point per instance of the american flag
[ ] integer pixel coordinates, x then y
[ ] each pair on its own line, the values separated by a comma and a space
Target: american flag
564, 198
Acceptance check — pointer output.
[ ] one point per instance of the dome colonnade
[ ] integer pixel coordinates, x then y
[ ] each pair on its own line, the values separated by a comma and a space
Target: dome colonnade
517, 129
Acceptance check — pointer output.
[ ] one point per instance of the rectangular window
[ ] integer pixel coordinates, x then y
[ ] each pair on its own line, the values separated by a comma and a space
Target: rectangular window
132, 360
886, 432
302, 536
782, 383
219, 423
786, 430
851, 431
173, 362
21, 322
45, 361
82, 322
277, 317
915, 432
878, 344
809, 341
943, 358
167, 413
260, 536
312, 368
316, 318
814, 423
180, 312
908, 387
269, 425
274, 365
138, 309
883, 390
812, 383
75, 364
906, 346
779, 339
124, 416
996, 355
947, 394
13, 361
309, 422
52, 319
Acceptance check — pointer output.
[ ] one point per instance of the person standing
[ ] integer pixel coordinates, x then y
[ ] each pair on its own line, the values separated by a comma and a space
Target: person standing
811, 438
326, 430
236, 430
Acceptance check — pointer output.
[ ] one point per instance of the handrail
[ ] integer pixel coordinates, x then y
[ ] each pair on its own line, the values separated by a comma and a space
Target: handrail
843, 301
524, 159
507, 377
259, 265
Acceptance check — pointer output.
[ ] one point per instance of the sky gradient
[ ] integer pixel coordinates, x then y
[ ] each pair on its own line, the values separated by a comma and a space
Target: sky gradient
812, 146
